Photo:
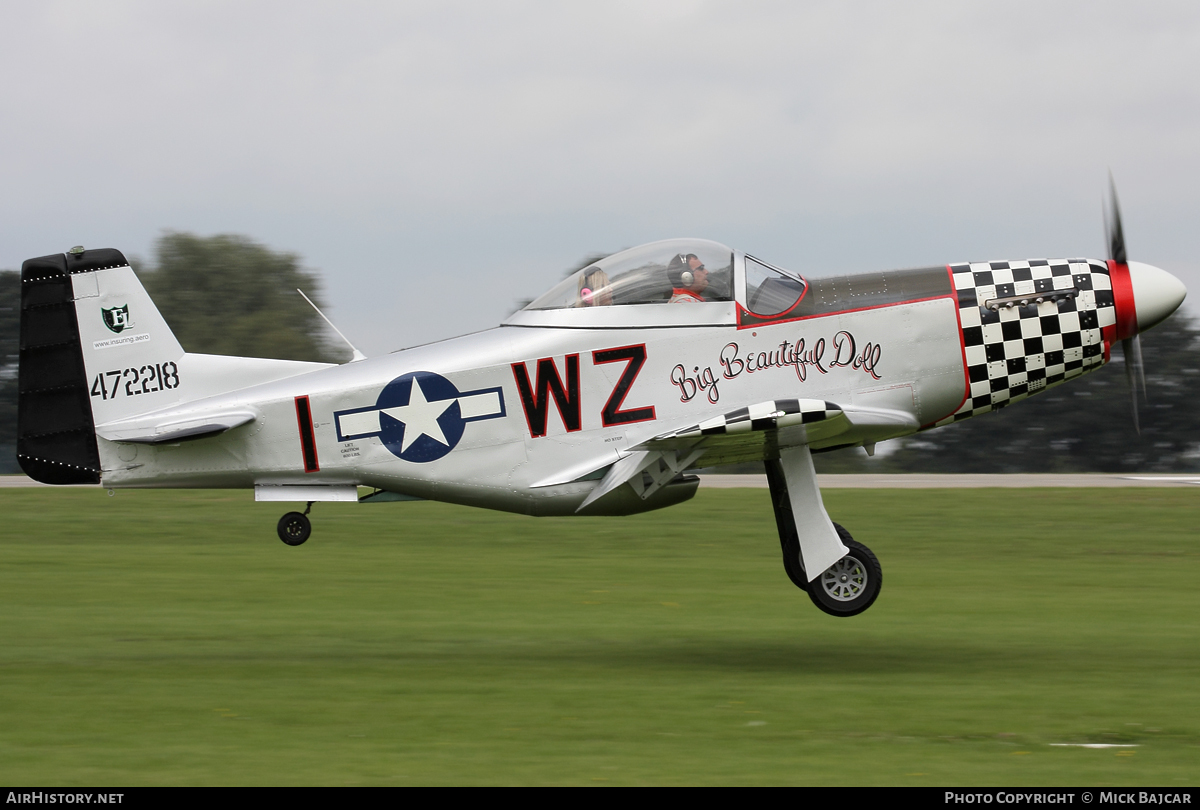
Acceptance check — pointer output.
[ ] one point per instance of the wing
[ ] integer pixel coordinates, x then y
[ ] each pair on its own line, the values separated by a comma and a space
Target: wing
753, 433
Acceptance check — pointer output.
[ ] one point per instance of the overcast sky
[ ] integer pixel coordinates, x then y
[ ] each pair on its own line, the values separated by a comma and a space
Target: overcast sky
436, 162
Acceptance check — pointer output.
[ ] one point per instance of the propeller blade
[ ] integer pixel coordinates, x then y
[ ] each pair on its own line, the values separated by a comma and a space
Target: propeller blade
1114, 233
1132, 349
1139, 366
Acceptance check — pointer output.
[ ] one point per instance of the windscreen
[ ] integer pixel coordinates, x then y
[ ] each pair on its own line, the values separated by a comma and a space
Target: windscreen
769, 290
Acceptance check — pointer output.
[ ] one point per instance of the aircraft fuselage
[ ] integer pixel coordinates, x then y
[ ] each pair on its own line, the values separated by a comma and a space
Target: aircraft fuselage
494, 418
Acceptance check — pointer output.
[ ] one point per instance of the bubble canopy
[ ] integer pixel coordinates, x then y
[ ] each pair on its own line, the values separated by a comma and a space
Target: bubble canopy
675, 281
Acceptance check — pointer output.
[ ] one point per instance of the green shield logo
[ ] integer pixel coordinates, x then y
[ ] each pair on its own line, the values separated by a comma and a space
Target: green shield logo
117, 318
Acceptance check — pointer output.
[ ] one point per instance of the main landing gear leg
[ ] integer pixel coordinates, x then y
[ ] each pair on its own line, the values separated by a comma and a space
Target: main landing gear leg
850, 576
295, 527
786, 524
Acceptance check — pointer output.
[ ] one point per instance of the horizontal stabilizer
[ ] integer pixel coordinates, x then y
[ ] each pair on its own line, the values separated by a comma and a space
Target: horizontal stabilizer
175, 425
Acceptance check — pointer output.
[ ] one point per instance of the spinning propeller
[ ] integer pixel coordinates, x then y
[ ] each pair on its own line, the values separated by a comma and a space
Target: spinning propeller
1131, 347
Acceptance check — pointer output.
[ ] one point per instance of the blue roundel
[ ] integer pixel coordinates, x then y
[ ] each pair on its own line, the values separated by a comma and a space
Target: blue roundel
420, 419
419, 416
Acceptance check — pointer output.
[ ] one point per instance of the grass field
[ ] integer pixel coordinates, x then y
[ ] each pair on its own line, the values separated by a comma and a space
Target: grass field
170, 638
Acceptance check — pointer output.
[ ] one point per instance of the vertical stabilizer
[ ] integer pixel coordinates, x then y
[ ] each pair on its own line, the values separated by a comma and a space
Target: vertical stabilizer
130, 356
93, 348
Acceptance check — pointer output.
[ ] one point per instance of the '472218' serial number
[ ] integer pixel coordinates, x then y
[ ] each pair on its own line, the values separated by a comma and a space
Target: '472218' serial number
134, 381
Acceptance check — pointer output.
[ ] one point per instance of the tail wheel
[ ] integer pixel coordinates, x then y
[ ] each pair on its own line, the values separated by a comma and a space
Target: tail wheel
294, 528
850, 585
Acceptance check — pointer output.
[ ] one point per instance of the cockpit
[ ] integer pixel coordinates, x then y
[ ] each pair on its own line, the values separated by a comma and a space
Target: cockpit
694, 282
676, 282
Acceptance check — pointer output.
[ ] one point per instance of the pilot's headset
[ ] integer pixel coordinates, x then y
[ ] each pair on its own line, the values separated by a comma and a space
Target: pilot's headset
678, 268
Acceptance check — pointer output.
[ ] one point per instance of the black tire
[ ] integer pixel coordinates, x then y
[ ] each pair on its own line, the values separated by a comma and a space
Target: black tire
294, 528
792, 565
851, 585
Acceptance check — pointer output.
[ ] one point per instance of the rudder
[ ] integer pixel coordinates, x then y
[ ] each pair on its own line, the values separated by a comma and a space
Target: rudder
56, 437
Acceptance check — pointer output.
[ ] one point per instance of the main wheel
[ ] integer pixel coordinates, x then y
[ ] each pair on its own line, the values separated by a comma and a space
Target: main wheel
294, 528
850, 585
792, 565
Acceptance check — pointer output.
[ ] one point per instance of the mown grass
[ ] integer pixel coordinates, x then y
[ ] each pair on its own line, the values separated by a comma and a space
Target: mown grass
169, 638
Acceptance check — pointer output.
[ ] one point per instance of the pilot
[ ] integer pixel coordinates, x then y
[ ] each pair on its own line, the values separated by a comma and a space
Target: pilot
689, 279
593, 288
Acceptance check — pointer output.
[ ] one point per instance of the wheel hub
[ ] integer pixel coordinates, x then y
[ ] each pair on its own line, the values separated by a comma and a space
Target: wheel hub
845, 580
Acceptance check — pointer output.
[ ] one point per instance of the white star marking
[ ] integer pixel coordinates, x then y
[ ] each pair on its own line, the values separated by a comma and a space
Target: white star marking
420, 417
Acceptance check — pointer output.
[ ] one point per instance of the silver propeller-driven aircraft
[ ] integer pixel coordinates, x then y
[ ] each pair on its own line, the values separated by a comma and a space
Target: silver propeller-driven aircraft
595, 399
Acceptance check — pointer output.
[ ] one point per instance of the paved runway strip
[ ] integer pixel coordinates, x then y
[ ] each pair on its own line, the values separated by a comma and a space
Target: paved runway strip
896, 481
923, 481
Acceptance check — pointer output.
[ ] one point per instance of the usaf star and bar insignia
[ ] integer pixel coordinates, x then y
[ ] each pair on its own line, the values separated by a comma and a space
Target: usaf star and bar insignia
420, 416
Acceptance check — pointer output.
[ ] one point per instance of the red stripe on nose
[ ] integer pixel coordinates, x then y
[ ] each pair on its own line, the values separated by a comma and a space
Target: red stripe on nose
1127, 325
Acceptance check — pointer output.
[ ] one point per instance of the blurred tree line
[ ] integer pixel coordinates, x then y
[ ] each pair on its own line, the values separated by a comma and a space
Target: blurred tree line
229, 295
220, 295
10, 322
1084, 425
